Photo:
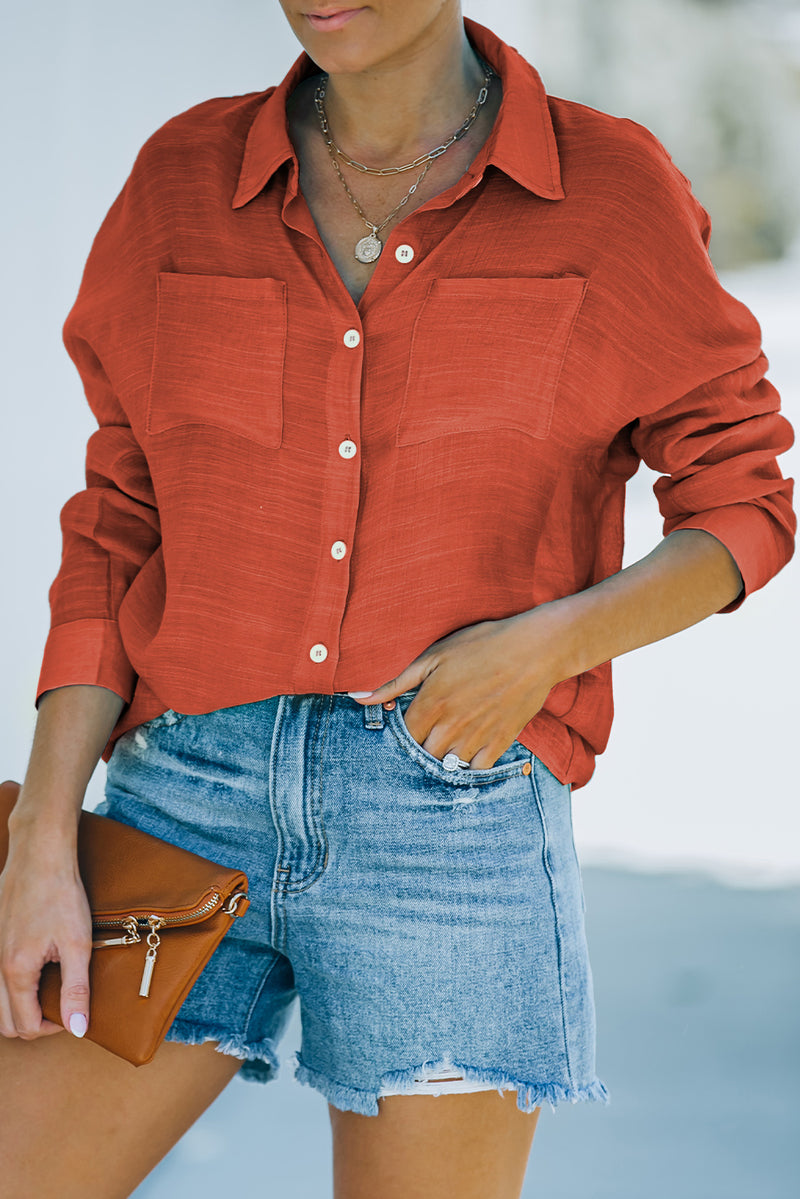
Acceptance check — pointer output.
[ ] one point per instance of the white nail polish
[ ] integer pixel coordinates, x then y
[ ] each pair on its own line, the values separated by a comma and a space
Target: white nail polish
359, 694
77, 1024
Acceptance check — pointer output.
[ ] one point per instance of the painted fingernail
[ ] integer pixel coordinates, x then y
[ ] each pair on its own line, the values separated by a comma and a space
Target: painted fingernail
359, 694
78, 1024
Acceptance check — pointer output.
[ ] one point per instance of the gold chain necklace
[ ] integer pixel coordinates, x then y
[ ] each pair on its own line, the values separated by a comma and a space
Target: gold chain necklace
368, 249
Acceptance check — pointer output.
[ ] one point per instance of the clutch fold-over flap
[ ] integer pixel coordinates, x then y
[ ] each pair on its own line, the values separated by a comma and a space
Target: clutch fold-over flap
176, 882
110, 856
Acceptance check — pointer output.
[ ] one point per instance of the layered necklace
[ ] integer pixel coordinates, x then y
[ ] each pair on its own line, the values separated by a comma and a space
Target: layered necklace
368, 249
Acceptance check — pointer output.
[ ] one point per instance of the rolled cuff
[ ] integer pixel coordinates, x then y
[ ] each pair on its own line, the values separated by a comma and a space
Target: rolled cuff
86, 651
757, 545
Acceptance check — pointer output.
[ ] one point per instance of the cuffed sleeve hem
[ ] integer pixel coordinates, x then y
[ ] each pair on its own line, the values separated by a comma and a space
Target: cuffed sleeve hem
749, 536
86, 651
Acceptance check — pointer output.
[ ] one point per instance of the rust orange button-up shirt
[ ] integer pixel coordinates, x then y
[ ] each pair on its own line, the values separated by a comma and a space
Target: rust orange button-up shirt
292, 493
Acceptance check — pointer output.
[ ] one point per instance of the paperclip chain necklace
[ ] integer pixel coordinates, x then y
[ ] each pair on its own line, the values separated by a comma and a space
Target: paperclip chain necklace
368, 249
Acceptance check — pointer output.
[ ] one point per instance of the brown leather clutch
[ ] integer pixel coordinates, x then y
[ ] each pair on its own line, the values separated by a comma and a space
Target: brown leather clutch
158, 914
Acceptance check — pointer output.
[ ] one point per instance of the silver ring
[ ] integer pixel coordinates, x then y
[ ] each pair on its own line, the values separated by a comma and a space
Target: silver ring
453, 762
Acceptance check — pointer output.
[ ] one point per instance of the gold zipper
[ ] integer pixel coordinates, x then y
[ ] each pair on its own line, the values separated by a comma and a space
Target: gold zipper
143, 921
132, 924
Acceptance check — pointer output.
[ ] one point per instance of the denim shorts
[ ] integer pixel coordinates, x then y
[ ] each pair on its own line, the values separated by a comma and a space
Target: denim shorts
430, 921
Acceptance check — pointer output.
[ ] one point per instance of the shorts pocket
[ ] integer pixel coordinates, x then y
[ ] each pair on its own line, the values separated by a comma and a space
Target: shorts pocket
487, 354
510, 764
218, 356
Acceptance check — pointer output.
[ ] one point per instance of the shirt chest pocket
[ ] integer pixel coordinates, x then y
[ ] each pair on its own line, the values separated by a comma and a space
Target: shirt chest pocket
487, 354
218, 356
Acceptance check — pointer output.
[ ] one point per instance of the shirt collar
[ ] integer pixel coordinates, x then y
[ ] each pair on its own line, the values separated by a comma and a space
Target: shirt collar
522, 143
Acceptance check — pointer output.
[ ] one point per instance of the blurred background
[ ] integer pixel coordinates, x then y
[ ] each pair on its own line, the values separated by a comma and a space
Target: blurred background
688, 834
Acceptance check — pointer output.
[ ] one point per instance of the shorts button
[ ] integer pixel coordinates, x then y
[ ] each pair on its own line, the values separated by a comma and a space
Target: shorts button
527, 768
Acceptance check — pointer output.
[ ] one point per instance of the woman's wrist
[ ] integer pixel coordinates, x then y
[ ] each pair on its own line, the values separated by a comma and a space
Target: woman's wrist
550, 640
48, 819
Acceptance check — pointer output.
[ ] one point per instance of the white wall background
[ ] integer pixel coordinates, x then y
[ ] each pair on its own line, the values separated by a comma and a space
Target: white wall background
716, 80
701, 764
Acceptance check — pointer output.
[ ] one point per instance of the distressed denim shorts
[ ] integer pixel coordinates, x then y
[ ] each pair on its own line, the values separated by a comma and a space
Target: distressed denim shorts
430, 921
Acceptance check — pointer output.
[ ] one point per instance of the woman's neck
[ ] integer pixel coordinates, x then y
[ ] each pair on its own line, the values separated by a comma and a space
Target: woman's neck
394, 113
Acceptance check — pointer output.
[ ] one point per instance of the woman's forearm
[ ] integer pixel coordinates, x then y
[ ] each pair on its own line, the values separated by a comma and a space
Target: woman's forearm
688, 576
482, 684
72, 729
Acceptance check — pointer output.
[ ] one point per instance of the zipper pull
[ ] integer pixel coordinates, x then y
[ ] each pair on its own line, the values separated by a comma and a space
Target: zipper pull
153, 942
237, 905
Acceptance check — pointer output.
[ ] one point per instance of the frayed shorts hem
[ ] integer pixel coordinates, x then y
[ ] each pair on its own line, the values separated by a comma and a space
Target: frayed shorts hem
530, 1095
259, 1060
260, 1063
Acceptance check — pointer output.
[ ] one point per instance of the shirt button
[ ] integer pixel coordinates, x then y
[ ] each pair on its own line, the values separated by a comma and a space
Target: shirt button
318, 653
404, 253
338, 549
347, 449
352, 338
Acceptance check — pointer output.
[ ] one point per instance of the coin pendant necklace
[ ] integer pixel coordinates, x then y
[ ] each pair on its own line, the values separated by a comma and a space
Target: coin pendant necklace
368, 249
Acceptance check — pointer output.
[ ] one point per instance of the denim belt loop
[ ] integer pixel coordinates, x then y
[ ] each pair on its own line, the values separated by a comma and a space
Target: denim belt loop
373, 716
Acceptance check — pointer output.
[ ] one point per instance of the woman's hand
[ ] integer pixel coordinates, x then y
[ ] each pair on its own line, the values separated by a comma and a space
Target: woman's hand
481, 685
478, 688
44, 912
44, 917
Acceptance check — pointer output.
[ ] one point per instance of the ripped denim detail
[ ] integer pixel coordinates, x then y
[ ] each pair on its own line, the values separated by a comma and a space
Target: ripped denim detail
530, 1094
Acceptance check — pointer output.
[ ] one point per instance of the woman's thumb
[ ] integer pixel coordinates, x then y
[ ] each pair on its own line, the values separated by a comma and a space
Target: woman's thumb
75, 993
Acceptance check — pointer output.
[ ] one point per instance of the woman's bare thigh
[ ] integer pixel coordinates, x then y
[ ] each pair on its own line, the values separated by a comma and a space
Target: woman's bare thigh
474, 1145
76, 1121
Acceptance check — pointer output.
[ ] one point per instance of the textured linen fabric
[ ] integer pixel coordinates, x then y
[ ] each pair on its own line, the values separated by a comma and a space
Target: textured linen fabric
464, 433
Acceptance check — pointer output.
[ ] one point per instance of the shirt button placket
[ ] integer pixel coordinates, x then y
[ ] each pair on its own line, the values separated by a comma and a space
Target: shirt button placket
347, 450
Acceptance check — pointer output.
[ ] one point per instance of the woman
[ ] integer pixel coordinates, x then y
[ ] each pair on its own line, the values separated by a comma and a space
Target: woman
338, 603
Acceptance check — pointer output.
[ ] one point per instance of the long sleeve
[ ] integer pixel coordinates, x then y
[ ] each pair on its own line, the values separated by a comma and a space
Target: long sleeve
715, 449
112, 527
709, 420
